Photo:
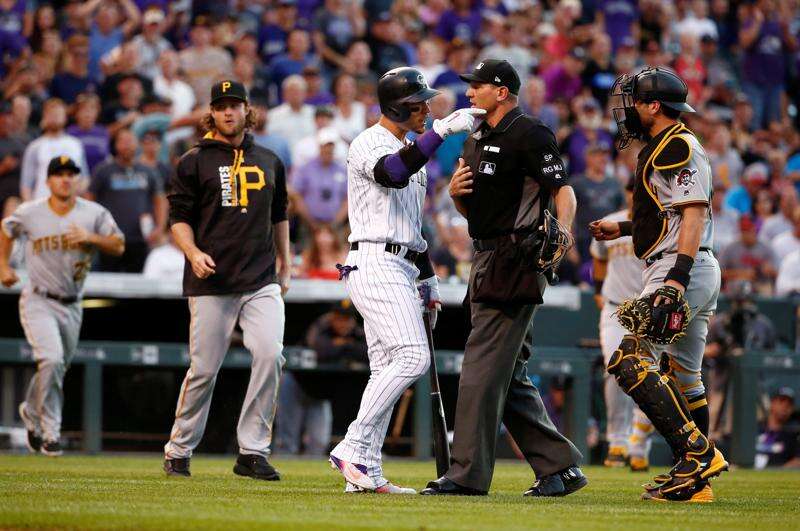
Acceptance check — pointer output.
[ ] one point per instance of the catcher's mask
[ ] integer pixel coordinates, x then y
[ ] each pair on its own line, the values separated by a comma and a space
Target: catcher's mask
557, 240
629, 125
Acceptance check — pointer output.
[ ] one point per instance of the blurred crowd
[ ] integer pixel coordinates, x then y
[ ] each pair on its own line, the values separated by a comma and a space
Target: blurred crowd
120, 85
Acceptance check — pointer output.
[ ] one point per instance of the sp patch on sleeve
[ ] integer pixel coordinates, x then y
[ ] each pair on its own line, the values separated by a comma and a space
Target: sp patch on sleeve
552, 167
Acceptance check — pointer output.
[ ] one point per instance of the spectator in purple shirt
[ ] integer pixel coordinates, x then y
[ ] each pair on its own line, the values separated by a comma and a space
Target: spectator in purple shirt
11, 46
14, 17
765, 39
272, 36
319, 187
618, 17
459, 59
462, 22
74, 78
563, 79
292, 62
316, 93
93, 136
589, 130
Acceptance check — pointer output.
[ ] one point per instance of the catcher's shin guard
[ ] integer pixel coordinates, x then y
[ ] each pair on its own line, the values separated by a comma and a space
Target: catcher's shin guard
660, 399
657, 396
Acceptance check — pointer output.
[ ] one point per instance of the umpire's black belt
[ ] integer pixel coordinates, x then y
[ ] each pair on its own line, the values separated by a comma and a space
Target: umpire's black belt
393, 248
650, 260
60, 298
492, 243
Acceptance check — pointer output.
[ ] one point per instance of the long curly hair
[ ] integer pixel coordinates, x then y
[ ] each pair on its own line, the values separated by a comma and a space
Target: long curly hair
208, 125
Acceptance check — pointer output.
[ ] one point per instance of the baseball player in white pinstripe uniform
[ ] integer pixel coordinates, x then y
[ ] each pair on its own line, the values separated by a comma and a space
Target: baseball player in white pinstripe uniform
386, 191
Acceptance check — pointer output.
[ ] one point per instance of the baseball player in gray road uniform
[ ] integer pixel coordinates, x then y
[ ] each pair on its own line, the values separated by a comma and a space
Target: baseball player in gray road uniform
228, 216
62, 233
617, 277
672, 231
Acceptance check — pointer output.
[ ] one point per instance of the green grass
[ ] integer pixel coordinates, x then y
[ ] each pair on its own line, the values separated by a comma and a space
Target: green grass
132, 492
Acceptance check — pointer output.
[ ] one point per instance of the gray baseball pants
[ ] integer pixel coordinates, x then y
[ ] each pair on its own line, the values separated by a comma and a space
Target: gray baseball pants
213, 318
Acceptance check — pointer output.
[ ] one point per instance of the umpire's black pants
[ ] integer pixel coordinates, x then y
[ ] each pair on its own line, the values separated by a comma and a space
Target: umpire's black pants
494, 386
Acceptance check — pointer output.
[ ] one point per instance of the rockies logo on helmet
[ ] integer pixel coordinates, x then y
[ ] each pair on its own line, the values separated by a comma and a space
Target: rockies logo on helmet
400, 87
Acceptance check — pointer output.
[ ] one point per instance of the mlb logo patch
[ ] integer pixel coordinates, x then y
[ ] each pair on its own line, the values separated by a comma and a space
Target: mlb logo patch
487, 167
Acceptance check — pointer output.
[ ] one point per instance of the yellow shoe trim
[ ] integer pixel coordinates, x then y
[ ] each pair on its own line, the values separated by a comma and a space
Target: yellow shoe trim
718, 465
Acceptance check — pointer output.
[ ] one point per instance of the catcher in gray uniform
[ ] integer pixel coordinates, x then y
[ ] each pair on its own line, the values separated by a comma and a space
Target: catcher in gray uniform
672, 232
62, 233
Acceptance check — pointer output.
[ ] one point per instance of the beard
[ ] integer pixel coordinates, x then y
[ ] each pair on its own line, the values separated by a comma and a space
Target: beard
231, 131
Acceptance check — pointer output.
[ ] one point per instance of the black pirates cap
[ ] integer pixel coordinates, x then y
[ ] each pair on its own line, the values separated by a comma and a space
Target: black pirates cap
61, 163
228, 88
495, 71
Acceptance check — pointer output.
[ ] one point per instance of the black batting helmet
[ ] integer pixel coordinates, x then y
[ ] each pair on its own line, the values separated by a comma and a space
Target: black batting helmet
401, 86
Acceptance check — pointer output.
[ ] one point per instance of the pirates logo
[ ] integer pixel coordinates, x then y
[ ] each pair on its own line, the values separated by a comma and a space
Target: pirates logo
685, 177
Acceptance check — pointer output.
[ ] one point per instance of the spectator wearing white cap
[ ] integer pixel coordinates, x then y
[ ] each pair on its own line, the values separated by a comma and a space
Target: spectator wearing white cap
151, 42
308, 148
318, 189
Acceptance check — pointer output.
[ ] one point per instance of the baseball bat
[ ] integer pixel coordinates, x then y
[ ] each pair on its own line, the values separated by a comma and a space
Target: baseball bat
441, 448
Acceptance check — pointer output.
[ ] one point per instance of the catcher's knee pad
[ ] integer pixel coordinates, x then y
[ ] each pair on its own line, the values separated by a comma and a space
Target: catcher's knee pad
629, 363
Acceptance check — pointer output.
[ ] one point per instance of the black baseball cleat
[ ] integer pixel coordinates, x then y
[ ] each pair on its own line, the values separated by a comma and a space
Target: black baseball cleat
255, 466
178, 467
561, 483
444, 487
52, 448
34, 440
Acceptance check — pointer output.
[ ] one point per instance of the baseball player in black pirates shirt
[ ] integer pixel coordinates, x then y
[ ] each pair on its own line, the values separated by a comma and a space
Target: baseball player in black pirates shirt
228, 216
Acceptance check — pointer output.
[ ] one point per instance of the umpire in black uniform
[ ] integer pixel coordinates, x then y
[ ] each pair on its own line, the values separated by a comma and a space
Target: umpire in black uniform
511, 171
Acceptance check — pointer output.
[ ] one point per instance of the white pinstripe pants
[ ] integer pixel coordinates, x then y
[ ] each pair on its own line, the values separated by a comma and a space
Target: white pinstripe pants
383, 290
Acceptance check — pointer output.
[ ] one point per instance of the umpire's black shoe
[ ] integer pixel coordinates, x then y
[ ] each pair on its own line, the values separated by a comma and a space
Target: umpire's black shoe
255, 466
561, 483
445, 487
177, 467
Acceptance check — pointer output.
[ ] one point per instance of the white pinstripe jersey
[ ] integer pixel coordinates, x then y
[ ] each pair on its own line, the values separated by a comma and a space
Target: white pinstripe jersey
378, 213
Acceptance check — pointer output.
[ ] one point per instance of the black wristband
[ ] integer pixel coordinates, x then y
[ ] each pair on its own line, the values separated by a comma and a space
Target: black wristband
626, 228
598, 287
681, 271
424, 264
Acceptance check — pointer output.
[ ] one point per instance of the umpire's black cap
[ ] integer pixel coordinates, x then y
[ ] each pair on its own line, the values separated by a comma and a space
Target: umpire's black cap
496, 72
62, 163
228, 88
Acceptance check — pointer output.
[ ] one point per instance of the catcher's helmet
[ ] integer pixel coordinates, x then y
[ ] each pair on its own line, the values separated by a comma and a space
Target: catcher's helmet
651, 84
400, 86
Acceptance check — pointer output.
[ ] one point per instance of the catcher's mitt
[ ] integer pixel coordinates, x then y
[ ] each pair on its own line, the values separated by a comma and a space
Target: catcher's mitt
663, 324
